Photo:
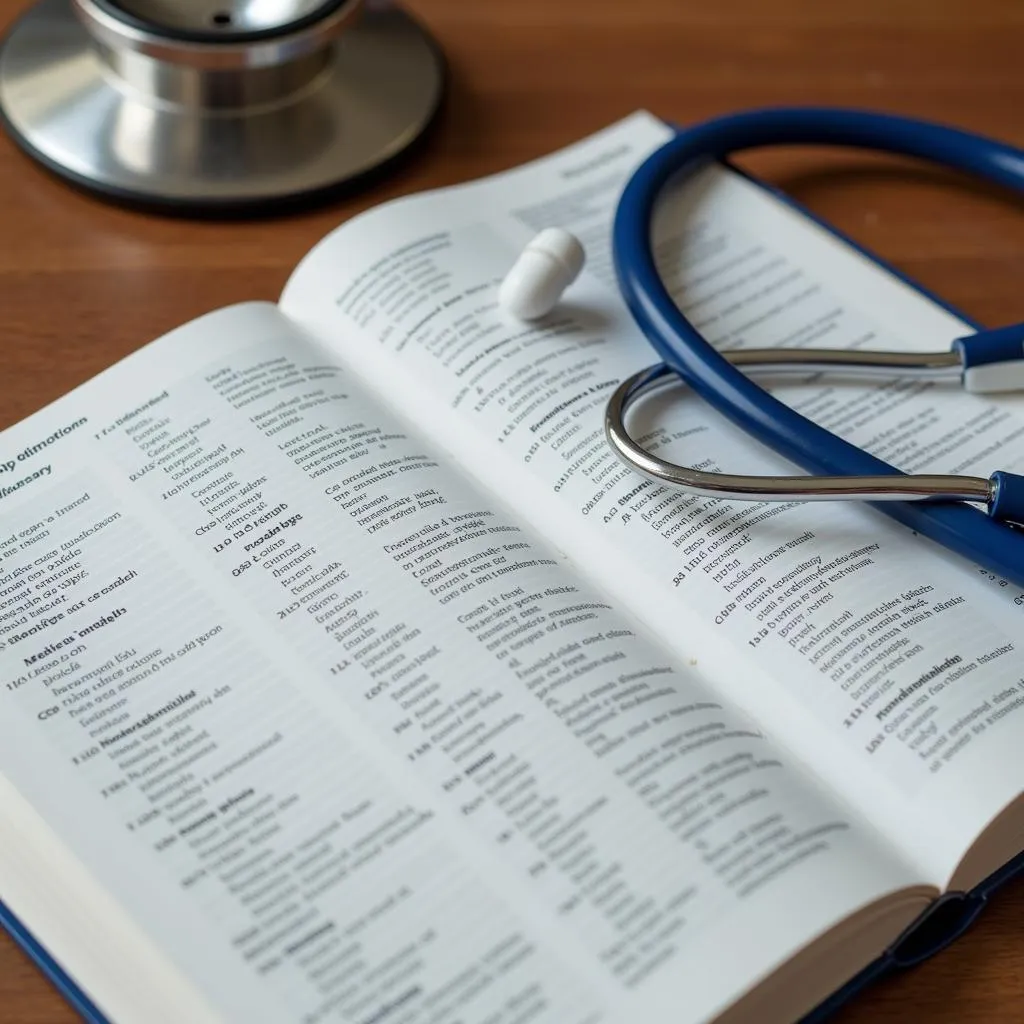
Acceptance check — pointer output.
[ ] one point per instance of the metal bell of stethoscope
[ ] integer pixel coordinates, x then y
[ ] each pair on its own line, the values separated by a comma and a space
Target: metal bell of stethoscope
195, 106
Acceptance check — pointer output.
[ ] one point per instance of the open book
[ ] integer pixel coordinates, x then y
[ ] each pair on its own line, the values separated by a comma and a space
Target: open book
346, 675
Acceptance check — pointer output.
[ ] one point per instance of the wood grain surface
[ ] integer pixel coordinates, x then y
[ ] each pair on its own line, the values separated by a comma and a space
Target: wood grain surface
83, 283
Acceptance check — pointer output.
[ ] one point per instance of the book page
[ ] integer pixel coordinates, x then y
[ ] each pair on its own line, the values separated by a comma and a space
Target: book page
348, 742
888, 665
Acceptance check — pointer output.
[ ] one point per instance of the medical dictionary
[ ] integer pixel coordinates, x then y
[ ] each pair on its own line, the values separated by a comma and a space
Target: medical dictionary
345, 674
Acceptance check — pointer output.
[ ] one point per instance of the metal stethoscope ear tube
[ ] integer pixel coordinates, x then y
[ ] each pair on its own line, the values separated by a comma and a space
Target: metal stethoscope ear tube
932, 366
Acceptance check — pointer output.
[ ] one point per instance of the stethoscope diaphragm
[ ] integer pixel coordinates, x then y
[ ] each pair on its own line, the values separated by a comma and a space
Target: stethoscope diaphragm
213, 106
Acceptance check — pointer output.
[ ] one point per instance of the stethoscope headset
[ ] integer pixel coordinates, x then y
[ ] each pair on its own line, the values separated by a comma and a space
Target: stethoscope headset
936, 506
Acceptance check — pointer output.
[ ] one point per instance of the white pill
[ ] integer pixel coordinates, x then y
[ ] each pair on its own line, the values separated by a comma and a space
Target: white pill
544, 269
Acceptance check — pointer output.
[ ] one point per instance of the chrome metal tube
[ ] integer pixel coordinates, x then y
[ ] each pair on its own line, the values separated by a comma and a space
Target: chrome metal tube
894, 487
850, 363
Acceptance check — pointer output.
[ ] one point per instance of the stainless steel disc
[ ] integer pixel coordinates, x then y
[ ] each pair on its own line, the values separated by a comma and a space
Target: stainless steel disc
198, 106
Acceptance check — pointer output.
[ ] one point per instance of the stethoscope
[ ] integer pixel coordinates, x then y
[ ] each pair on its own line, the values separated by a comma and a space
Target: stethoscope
222, 107
937, 506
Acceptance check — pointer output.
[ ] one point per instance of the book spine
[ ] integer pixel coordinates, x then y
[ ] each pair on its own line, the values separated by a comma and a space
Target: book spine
61, 980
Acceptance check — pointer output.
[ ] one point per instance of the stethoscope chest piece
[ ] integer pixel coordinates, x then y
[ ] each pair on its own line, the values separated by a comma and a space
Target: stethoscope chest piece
215, 105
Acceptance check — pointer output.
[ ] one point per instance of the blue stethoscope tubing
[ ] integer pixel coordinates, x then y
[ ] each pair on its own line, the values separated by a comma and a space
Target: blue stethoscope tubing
961, 528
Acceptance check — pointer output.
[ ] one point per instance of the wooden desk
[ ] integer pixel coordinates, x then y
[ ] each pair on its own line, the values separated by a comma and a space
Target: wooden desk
82, 283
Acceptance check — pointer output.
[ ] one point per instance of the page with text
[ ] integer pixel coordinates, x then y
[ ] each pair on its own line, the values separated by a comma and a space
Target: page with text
891, 666
347, 741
